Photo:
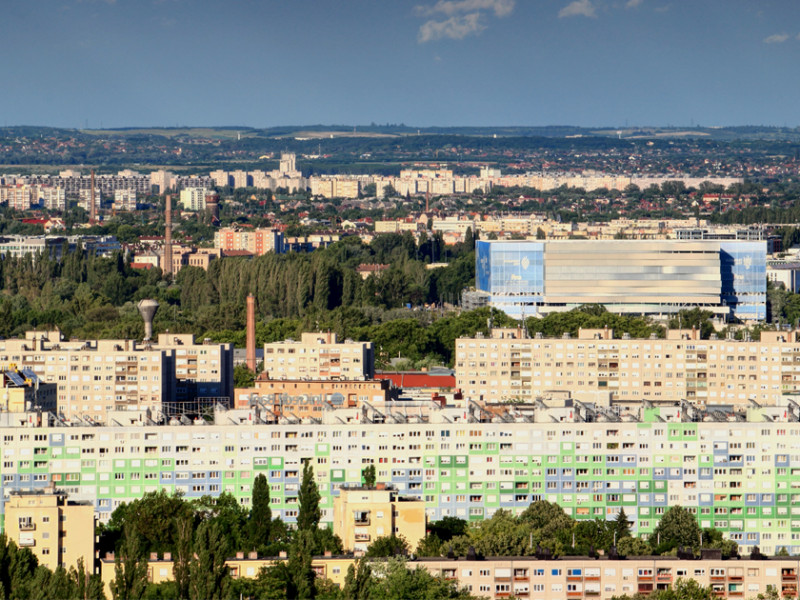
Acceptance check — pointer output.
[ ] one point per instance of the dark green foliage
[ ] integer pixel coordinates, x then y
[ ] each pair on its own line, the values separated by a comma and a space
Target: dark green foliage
130, 566
308, 515
678, 527
393, 579
154, 517
448, 527
243, 377
694, 318
386, 546
260, 520
622, 527
357, 582
592, 316
184, 553
208, 574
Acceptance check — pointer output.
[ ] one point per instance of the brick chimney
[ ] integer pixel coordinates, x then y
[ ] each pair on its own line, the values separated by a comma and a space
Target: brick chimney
251, 332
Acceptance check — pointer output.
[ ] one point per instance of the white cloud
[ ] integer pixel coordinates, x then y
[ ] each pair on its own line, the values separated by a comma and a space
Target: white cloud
455, 28
776, 38
633, 3
579, 8
501, 8
465, 17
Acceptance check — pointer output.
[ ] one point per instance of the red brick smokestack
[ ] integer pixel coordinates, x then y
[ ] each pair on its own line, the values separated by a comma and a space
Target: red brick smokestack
167, 268
251, 332
93, 206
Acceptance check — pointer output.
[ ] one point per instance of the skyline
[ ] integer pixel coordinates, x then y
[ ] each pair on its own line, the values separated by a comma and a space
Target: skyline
590, 63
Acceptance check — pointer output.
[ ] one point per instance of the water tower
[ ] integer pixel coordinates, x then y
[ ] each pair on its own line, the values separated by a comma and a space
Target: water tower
212, 206
147, 308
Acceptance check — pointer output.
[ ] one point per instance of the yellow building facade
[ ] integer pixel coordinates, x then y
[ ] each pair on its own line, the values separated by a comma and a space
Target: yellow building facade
57, 531
362, 514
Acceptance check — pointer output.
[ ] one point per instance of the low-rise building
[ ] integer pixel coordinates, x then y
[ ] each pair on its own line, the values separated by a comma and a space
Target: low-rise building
309, 398
58, 532
362, 514
160, 567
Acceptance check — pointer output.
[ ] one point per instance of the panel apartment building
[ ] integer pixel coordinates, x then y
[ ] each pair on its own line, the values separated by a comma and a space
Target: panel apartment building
738, 476
595, 367
319, 356
256, 241
645, 277
98, 377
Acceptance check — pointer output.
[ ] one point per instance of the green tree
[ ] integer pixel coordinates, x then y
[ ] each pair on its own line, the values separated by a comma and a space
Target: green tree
87, 586
430, 545
209, 576
154, 517
678, 527
546, 516
130, 567
308, 514
448, 527
243, 377
260, 513
393, 580
622, 527
368, 474
358, 580
184, 552
387, 545
694, 318
633, 546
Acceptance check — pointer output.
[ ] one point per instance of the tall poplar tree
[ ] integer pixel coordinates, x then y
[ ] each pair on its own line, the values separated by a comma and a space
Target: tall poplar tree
308, 515
260, 514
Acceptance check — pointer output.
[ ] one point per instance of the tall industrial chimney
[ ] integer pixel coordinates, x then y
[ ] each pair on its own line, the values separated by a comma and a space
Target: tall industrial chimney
167, 267
251, 333
92, 206
147, 308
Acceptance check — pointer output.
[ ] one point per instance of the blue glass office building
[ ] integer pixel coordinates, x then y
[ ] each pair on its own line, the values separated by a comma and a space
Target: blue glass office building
661, 277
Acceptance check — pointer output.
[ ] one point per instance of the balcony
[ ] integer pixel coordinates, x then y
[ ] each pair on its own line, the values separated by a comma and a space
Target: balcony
27, 526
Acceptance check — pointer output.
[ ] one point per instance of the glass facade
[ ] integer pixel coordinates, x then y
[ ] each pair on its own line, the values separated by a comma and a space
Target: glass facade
744, 278
636, 277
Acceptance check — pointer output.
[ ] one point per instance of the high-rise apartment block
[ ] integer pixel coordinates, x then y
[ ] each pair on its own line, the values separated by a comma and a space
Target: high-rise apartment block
658, 277
97, 378
509, 366
202, 370
125, 200
319, 356
194, 198
256, 241
731, 469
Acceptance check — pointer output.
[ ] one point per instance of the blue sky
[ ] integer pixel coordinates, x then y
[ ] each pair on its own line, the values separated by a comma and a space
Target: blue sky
116, 63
